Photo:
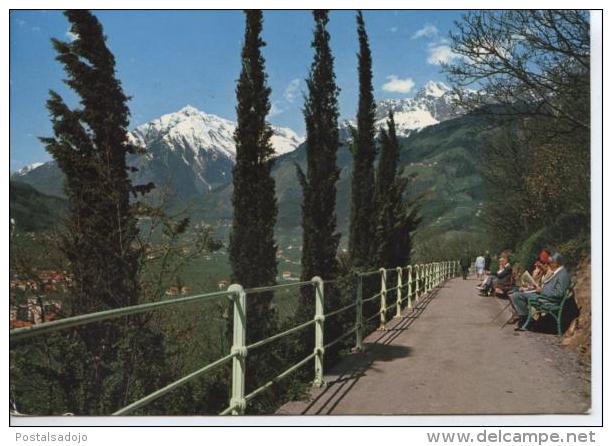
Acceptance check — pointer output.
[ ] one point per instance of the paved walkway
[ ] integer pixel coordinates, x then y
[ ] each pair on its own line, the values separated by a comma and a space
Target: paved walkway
450, 356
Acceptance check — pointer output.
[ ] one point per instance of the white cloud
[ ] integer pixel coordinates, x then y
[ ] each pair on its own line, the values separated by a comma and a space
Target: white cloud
428, 31
292, 90
393, 29
397, 85
71, 36
275, 109
441, 54
36, 29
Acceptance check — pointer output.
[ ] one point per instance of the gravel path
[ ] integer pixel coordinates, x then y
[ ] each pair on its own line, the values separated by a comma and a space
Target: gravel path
450, 356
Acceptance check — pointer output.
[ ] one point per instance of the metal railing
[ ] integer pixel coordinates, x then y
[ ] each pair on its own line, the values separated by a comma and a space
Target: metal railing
413, 281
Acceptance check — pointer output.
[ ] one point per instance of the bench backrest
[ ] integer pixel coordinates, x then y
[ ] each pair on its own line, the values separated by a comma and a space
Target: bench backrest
569, 293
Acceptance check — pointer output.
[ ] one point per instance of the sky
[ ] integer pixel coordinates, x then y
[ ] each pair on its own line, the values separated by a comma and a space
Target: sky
169, 59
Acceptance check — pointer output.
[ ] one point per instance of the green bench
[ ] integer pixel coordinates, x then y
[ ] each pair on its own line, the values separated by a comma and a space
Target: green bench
542, 305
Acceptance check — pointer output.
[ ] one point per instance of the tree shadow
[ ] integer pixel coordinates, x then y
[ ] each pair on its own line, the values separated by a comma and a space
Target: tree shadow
377, 347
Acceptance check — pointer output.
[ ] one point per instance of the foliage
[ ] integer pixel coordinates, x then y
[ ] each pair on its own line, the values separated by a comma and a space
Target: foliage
252, 248
320, 241
534, 62
100, 238
535, 65
363, 212
396, 219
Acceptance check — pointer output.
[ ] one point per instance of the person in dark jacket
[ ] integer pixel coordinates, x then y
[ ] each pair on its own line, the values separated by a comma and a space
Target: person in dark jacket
465, 263
502, 278
487, 267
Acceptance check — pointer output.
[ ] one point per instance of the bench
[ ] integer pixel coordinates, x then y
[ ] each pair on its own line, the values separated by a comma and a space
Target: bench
541, 305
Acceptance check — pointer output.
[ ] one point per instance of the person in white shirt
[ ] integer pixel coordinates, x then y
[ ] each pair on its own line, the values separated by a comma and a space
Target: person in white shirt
480, 266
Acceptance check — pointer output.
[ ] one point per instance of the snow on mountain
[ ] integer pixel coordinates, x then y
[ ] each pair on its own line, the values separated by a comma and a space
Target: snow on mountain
193, 151
434, 89
192, 129
429, 106
28, 168
285, 140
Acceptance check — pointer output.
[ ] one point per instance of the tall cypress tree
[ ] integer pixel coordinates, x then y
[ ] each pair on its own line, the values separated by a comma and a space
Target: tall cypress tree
252, 248
396, 219
100, 241
90, 146
362, 223
320, 240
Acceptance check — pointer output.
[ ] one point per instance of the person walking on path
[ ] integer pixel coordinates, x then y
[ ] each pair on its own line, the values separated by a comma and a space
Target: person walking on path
465, 263
479, 264
487, 266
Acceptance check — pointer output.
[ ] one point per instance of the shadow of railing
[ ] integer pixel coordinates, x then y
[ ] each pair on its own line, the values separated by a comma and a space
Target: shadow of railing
377, 347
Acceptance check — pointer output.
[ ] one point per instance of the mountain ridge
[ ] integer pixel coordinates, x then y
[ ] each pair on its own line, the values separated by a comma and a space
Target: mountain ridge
190, 152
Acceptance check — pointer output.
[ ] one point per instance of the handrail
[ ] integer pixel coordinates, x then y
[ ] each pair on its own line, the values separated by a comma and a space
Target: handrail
263, 289
276, 336
18, 334
420, 279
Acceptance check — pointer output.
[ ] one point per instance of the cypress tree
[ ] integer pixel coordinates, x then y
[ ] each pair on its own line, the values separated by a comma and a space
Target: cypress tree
320, 240
396, 219
90, 145
252, 248
362, 222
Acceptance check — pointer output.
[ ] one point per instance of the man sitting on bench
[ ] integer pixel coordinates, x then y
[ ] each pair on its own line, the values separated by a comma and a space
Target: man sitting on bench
552, 291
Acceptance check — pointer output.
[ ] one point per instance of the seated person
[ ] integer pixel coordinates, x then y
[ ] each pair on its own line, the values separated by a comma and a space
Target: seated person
501, 279
529, 281
553, 288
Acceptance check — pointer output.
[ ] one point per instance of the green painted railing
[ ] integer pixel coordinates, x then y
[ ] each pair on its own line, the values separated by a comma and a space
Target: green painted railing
412, 282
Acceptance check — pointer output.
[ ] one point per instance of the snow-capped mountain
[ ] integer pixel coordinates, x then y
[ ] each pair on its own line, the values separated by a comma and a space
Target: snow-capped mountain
430, 105
190, 128
28, 168
186, 153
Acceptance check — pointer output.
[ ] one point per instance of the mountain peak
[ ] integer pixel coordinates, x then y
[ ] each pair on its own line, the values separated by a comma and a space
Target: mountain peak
189, 110
434, 89
28, 168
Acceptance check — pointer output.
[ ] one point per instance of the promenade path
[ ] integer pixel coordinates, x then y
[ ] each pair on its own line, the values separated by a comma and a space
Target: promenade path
450, 356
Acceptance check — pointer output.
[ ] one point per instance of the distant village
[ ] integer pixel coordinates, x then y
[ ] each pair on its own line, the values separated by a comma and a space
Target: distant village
40, 302
34, 301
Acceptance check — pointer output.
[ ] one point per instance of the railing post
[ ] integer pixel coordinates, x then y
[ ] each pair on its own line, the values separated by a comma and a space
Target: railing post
435, 274
423, 278
435, 268
239, 350
409, 272
319, 330
383, 299
359, 315
417, 290
428, 278
398, 301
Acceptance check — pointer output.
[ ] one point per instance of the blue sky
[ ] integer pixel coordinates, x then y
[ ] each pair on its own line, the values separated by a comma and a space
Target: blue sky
168, 59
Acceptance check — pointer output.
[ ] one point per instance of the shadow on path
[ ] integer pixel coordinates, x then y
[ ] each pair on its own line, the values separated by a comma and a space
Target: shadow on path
377, 347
